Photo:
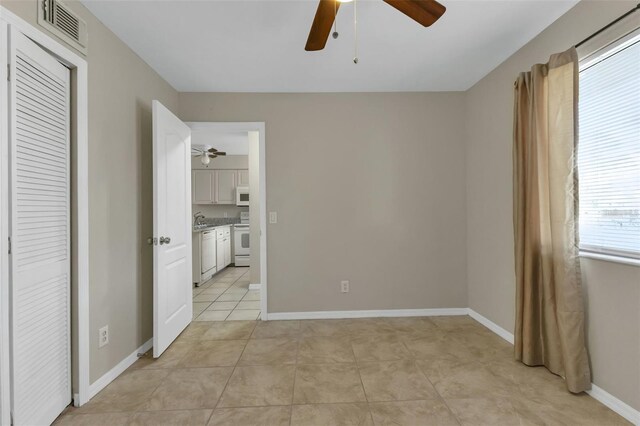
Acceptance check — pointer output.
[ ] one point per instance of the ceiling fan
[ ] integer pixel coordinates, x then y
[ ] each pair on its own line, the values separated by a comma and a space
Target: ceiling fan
424, 12
207, 154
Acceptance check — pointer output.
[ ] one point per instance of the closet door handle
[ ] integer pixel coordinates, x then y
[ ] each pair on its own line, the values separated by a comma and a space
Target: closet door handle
165, 240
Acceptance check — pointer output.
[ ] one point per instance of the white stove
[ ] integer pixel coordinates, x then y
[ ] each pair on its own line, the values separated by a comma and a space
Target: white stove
241, 239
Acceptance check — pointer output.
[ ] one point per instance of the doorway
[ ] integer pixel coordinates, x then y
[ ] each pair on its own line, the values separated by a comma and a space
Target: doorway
237, 291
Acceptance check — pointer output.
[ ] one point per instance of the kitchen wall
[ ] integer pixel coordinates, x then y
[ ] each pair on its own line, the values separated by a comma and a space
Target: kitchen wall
612, 290
121, 87
368, 187
254, 205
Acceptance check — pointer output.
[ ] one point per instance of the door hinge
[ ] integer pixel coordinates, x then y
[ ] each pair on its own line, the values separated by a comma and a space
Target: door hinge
9, 245
8, 72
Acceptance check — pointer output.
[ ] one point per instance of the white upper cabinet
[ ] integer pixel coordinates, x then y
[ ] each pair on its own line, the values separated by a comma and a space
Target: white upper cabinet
243, 177
226, 186
203, 187
217, 186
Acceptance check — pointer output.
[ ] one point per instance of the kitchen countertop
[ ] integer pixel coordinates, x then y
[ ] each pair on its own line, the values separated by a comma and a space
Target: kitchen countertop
211, 226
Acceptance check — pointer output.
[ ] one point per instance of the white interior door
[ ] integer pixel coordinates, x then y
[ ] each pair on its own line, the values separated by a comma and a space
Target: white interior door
172, 291
40, 262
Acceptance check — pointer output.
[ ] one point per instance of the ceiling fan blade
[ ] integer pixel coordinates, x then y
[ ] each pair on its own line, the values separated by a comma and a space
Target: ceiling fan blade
213, 156
212, 150
321, 27
221, 153
424, 12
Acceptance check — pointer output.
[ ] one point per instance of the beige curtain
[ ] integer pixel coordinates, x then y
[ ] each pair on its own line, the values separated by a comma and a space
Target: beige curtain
549, 303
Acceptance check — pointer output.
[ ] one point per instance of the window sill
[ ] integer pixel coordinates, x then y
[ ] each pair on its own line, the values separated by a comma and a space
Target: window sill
610, 258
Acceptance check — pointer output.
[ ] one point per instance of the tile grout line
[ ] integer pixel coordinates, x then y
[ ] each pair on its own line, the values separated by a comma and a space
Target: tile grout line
234, 369
364, 391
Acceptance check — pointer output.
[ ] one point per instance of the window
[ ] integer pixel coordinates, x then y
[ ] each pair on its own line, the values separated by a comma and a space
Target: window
609, 151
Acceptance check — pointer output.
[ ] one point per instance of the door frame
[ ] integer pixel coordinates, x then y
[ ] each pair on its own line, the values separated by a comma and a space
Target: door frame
259, 126
79, 209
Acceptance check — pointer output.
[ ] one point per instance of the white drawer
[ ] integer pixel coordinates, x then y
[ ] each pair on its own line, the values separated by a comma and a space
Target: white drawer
220, 232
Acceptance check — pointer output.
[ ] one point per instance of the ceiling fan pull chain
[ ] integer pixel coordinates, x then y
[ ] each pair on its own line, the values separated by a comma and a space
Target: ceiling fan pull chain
355, 30
335, 20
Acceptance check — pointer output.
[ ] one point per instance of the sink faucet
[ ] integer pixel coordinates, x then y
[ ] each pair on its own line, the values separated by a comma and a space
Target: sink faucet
198, 216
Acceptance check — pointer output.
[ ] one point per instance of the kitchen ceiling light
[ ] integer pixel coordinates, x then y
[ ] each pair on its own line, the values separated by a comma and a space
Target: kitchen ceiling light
204, 158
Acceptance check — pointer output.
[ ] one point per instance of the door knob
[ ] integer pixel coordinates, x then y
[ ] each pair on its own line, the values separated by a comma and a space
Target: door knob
165, 240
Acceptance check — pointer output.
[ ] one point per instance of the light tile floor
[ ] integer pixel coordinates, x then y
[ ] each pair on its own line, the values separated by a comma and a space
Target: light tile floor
226, 297
401, 371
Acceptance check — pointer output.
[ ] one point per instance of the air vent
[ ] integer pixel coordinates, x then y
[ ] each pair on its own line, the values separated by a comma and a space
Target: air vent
59, 19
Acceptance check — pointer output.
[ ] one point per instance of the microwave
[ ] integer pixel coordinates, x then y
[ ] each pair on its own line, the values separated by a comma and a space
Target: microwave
242, 196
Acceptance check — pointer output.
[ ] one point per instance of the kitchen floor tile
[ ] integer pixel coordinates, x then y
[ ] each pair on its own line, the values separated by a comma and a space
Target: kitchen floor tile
248, 304
222, 306
213, 316
204, 297
252, 295
230, 297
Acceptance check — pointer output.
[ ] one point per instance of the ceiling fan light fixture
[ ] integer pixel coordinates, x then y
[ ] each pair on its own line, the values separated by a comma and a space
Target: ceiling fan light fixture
204, 158
345, 1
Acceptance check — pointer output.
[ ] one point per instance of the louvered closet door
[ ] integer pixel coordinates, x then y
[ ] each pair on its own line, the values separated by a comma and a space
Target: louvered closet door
40, 227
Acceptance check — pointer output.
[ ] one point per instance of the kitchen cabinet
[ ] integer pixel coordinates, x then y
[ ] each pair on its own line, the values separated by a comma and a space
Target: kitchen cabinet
243, 177
202, 186
217, 186
225, 186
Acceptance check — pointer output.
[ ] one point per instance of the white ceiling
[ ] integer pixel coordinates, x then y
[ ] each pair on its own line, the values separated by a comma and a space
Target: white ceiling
258, 46
233, 143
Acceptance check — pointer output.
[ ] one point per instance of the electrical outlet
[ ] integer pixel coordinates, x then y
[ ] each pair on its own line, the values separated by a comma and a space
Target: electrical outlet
103, 336
273, 217
344, 286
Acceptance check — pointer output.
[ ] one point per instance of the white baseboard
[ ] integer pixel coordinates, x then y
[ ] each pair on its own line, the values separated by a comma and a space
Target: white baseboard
596, 392
367, 314
625, 410
112, 374
492, 326
255, 286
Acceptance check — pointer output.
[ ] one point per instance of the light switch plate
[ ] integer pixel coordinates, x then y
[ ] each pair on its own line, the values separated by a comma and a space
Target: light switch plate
273, 217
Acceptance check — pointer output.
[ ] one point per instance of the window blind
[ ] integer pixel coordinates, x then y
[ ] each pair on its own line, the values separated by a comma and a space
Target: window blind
609, 154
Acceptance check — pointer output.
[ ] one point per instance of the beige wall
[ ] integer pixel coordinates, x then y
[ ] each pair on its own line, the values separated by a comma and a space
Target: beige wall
612, 290
368, 187
121, 87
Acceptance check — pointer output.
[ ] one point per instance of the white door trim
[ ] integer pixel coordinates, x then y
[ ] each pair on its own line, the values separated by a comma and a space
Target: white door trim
80, 209
233, 127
